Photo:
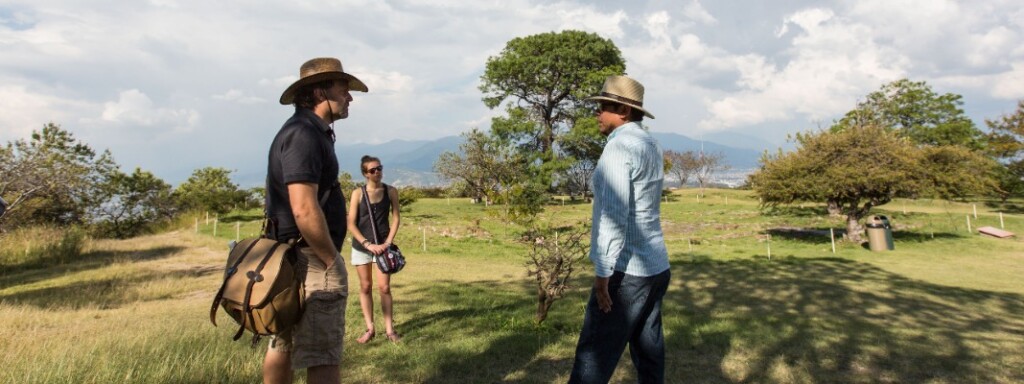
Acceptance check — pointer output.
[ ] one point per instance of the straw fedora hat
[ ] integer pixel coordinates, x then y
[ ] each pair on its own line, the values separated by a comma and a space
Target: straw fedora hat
317, 70
623, 90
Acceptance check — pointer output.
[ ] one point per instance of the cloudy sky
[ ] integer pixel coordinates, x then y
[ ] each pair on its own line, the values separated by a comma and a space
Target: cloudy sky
175, 85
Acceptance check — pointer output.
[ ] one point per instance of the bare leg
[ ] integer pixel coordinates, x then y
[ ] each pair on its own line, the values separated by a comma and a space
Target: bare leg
384, 286
365, 273
277, 367
323, 374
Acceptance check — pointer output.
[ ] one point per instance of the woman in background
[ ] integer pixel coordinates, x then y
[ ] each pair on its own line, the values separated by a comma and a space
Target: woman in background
383, 200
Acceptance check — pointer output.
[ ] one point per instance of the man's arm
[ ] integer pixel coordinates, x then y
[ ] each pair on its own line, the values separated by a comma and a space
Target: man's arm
611, 219
311, 222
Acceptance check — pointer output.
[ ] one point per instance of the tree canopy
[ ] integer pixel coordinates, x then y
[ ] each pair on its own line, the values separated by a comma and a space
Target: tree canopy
1006, 143
543, 81
210, 189
918, 113
51, 178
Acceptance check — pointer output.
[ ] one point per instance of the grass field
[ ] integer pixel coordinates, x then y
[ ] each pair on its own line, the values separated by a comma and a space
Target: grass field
947, 306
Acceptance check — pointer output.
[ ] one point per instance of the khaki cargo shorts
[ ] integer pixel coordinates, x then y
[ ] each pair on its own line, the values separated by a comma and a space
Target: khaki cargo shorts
317, 338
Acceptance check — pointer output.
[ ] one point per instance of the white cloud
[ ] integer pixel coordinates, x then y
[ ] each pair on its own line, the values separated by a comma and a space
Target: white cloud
606, 25
832, 65
28, 108
696, 12
135, 108
238, 96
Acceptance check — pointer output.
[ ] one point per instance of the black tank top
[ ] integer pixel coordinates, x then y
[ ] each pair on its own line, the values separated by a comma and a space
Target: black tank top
381, 213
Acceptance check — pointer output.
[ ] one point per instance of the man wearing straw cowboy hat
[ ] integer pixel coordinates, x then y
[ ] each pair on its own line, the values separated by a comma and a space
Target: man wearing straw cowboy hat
302, 172
627, 246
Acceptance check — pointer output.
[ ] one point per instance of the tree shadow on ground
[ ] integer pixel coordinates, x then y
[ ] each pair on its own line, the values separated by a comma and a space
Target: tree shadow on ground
487, 335
796, 211
834, 320
821, 235
1005, 207
27, 274
105, 293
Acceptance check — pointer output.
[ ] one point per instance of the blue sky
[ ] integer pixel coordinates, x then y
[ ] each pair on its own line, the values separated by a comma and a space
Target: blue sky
175, 85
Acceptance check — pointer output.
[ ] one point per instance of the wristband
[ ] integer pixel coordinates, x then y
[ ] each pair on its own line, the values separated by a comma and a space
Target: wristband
365, 241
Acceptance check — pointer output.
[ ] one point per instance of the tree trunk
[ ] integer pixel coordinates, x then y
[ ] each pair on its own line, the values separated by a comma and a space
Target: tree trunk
853, 228
833, 208
544, 302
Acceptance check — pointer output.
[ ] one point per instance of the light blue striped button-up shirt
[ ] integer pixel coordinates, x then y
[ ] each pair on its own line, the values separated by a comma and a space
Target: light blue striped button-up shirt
626, 234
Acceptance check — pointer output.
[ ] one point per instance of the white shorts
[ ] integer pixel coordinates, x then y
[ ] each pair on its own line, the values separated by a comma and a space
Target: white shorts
360, 257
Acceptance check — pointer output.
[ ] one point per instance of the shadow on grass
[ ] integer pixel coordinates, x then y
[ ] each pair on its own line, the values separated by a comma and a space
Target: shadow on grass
106, 293
821, 235
834, 320
484, 333
796, 211
27, 274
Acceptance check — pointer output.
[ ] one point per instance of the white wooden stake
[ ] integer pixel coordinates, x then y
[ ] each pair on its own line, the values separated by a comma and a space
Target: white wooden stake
975, 210
424, 239
207, 218
727, 200
214, 227
197, 225
968, 223
1001, 220
769, 246
238, 228
832, 234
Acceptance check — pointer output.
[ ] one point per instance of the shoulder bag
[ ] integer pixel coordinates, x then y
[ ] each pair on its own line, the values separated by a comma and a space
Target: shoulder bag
392, 260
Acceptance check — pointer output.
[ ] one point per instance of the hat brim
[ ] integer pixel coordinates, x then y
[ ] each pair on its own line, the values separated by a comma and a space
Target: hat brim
354, 84
631, 105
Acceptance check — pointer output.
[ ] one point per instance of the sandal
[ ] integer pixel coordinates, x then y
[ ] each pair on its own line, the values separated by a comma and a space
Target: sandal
366, 337
394, 337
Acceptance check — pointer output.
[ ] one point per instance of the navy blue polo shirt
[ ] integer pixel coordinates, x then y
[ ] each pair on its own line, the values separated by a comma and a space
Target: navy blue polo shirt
303, 152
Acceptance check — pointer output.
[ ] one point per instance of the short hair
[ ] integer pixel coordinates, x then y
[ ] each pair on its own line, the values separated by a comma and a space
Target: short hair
636, 114
366, 159
305, 96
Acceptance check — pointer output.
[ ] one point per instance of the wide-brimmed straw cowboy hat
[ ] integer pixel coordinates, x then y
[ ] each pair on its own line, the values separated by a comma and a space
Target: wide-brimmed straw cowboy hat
317, 70
623, 90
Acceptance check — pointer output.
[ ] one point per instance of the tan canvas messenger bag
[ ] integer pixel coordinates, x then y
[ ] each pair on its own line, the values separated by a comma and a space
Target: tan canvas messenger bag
262, 291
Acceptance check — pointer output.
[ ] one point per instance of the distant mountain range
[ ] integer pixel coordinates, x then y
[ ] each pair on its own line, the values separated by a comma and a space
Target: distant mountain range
411, 162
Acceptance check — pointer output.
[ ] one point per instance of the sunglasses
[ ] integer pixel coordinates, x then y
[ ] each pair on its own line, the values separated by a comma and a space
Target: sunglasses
374, 170
605, 107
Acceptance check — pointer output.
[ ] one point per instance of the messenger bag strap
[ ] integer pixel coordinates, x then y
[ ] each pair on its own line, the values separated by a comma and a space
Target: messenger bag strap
231, 271
369, 210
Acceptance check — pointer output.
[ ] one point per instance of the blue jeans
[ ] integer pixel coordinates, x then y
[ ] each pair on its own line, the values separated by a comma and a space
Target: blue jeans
635, 319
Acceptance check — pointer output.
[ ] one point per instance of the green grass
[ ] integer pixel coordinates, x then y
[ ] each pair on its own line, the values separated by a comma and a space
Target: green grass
946, 306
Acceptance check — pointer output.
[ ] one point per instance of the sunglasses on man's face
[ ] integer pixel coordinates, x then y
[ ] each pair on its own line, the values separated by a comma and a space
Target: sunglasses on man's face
604, 107
374, 170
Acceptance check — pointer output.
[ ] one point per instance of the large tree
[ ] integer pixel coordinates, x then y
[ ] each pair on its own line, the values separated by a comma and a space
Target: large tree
210, 189
862, 167
1006, 143
582, 146
543, 81
709, 164
917, 112
682, 165
51, 178
132, 203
